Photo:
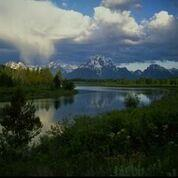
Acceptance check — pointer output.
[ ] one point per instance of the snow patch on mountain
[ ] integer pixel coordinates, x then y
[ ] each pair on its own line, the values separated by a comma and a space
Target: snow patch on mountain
52, 65
16, 65
98, 63
69, 67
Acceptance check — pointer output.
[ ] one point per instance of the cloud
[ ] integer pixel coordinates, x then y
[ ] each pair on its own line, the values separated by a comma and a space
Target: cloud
161, 28
117, 34
36, 28
108, 25
121, 28
33, 27
121, 4
143, 65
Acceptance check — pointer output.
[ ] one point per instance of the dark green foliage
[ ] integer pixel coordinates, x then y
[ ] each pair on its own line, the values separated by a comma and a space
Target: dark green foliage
39, 78
10, 77
131, 100
142, 82
132, 142
6, 80
58, 80
68, 85
141, 141
38, 83
18, 120
36, 92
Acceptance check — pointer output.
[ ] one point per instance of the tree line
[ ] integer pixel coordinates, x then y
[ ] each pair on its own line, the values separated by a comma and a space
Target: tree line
32, 77
141, 81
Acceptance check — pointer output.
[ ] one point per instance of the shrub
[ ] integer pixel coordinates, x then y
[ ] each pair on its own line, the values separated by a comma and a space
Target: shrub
6, 80
131, 100
68, 85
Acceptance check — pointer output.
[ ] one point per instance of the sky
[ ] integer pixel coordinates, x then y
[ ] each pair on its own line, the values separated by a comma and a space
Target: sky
133, 33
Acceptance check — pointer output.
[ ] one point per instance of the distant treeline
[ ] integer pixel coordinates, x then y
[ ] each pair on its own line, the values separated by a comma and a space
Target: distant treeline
11, 77
141, 81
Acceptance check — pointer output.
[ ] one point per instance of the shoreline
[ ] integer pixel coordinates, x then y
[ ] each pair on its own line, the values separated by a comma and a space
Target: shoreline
103, 84
36, 93
46, 92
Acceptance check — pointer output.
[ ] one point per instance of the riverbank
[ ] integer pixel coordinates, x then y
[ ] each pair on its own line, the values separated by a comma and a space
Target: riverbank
127, 83
36, 92
131, 142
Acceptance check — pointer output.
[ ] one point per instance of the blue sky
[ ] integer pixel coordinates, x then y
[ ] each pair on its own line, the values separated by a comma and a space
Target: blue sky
128, 31
149, 7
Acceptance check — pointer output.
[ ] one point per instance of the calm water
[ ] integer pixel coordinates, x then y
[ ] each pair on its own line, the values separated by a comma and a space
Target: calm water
89, 101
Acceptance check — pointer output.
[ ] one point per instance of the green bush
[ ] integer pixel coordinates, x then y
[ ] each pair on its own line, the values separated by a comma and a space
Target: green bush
68, 85
137, 141
6, 80
18, 121
131, 100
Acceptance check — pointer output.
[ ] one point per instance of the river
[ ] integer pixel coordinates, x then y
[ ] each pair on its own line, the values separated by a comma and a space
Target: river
89, 100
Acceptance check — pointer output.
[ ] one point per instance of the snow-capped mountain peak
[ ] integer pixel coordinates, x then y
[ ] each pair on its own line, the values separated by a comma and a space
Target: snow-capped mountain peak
155, 67
99, 67
55, 65
97, 63
69, 67
15, 65
52, 65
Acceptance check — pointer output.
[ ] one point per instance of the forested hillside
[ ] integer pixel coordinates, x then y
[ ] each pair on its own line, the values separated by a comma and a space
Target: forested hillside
12, 77
37, 83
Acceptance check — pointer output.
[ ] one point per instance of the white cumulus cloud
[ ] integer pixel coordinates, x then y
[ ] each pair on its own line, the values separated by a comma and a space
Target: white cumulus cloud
121, 28
109, 25
162, 27
34, 26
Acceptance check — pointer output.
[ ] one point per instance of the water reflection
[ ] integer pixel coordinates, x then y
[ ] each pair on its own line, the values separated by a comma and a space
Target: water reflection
57, 104
46, 117
89, 101
68, 100
46, 104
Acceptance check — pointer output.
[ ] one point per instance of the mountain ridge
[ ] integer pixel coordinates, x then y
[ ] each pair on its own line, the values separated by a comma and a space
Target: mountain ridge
100, 67
108, 70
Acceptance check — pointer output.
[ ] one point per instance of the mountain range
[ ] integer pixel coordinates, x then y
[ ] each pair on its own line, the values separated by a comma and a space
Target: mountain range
99, 67
52, 65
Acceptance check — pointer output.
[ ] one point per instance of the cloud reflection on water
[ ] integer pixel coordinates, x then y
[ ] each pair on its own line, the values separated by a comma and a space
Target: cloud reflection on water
89, 101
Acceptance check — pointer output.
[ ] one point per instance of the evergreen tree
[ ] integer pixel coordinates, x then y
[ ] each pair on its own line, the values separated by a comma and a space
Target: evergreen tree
68, 85
19, 122
6, 80
58, 79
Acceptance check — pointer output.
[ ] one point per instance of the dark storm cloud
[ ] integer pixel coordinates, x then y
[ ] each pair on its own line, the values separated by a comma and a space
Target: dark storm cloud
73, 38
